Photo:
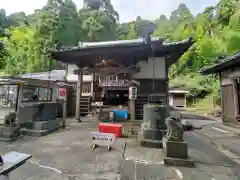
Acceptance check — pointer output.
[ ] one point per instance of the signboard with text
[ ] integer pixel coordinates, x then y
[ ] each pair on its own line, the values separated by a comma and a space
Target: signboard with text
110, 83
103, 139
133, 93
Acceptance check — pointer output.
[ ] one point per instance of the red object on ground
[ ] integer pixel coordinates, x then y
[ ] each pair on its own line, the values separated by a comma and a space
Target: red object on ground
111, 128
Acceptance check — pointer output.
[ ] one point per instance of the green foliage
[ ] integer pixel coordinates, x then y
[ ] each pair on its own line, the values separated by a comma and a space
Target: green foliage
23, 52
216, 33
27, 39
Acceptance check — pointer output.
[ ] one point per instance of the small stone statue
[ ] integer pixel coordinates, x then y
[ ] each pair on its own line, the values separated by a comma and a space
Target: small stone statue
10, 119
174, 129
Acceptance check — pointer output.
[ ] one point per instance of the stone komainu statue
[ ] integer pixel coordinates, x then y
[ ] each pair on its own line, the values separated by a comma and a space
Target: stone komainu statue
174, 129
10, 119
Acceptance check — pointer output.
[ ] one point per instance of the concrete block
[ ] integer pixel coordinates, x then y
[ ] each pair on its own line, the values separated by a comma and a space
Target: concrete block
37, 133
178, 162
153, 134
149, 142
9, 132
43, 125
175, 149
41, 128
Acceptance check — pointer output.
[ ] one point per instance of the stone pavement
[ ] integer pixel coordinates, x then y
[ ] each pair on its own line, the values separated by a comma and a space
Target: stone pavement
222, 136
144, 163
220, 125
67, 155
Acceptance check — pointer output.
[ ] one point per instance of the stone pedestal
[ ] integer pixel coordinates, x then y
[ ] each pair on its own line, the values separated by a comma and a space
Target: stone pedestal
176, 153
9, 133
150, 138
153, 129
41, 128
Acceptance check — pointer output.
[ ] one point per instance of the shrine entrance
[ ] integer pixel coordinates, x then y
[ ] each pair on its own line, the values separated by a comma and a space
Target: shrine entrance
116, 98
145, 61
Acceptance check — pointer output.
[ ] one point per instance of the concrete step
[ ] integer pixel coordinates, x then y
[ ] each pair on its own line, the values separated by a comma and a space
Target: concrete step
43, 125
128, 171
37, 133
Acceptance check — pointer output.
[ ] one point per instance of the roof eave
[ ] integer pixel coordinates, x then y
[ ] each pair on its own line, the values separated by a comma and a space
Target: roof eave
133, 52
225, 64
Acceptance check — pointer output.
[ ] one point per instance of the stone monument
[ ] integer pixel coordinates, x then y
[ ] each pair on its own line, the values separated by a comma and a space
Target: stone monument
153, 127
42, 118
174, 147
10, 130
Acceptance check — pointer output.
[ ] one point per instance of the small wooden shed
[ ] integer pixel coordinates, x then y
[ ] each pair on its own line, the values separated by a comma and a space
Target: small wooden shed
229, 73
177, 96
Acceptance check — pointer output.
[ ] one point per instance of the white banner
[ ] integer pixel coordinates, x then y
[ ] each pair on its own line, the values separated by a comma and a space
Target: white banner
103, 139
118, 83
132, 93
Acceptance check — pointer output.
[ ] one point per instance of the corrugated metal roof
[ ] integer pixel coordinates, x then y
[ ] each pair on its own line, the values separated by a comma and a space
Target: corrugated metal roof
7, 80
224, 64
55, 75
140, 41
118, 42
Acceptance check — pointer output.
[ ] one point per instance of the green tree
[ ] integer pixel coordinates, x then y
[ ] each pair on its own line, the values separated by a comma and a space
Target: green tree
99, 23
23, 52
69, 30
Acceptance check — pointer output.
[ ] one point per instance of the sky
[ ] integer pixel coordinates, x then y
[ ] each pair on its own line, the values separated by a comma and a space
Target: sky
127, 9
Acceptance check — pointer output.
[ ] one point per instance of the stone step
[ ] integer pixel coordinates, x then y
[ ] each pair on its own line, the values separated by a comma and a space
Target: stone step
149, 142
2, 139
128, 171
43, 125
37, 133
137, 170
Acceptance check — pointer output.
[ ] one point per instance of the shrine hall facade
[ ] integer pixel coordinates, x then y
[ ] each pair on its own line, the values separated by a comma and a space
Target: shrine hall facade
103, 68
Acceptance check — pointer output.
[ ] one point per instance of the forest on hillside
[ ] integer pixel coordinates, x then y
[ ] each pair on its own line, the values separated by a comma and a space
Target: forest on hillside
27, 38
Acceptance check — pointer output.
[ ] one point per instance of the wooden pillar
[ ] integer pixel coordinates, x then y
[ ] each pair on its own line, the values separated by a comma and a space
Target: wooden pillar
167, 66
64, 113
235, 101
17, 98
20, 96
132, 110
221, 96
78, 95
92, 87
